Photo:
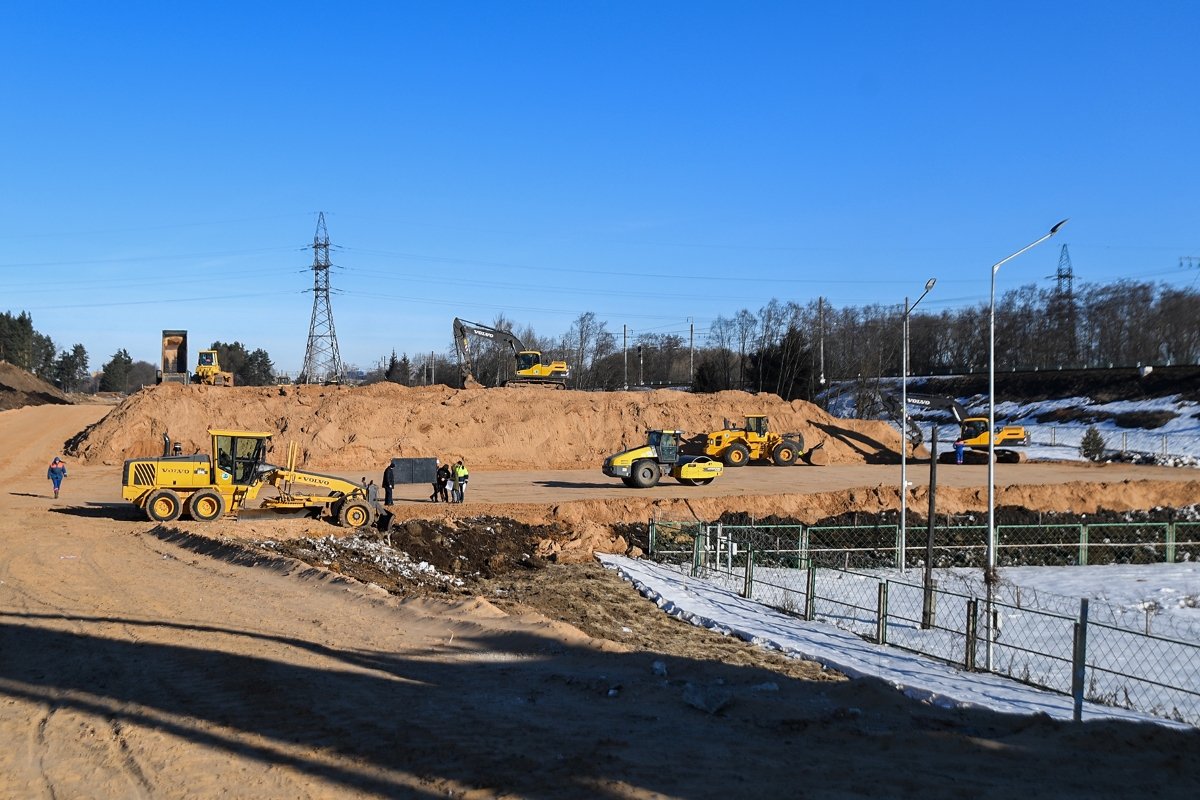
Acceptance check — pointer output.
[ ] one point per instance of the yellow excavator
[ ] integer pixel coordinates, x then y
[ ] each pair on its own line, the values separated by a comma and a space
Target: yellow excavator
530, 371
207, 489
972, 431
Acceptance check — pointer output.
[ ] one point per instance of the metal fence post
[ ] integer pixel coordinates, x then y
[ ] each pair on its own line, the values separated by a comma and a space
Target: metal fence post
810, 599
696, 552
1083, 545
972, 623
881, 614
748, 593
717, 546
1170, 542
1079, 659
652, 536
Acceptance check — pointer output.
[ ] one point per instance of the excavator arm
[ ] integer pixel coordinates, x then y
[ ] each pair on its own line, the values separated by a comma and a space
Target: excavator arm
892, 405
464, 329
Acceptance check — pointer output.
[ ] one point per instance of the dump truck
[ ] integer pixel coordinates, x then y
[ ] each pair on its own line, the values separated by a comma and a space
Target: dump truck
206, 488
208, 370
736, 447
174, 365
643, 467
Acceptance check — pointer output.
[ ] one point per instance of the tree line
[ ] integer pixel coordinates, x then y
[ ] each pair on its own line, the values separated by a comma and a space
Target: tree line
68, 369
787, 347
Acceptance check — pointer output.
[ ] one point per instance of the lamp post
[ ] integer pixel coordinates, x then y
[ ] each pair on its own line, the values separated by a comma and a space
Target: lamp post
904, 423
990, 576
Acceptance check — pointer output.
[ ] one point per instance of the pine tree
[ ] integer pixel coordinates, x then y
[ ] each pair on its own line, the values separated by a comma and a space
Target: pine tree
1091, 446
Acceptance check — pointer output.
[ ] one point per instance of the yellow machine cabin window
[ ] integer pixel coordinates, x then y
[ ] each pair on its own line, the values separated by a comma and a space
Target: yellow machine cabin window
973, 428
526, 361
240, 456
667, 445
206, 359
756, 425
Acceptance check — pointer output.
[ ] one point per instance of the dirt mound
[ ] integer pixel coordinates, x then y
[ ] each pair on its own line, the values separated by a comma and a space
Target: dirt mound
19, 388
351, 427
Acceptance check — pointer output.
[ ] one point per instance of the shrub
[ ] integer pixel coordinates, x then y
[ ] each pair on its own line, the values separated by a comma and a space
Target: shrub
1091, 446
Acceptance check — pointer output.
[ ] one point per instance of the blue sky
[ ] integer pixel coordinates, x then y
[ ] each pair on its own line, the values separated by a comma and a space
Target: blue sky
651, 162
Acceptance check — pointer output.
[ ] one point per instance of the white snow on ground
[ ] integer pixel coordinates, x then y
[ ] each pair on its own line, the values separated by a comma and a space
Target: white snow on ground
1060, 441
706, 604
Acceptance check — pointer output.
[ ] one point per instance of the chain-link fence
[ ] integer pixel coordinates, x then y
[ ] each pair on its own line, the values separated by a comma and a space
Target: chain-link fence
781, 567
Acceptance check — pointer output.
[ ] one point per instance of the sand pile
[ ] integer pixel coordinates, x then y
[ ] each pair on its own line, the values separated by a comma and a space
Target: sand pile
19, 388
349, 427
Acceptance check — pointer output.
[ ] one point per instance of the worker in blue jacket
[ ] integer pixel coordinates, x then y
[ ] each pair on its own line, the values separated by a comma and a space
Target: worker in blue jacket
56, 473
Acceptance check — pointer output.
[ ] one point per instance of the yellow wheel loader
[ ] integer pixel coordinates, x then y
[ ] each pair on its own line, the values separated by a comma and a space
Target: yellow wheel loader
756, 442
643, 467
207, 488
208, 370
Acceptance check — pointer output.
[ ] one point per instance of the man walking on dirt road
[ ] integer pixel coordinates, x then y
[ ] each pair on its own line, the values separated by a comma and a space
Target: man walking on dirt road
389, 480
56, 473
440, 482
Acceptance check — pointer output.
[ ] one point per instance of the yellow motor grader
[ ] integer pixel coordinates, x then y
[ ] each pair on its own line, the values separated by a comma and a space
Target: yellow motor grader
206, 489
756, 442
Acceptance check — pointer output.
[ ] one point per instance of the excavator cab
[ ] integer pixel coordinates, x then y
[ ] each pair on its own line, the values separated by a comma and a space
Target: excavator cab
974, 429
527, 360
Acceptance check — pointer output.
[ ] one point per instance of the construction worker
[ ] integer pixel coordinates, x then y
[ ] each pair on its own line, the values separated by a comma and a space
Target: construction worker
440, 481
460, 479
56, 473
959, 447
389, 480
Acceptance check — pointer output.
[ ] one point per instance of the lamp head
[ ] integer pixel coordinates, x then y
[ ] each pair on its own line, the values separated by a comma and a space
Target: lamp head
1054, 230
929, 284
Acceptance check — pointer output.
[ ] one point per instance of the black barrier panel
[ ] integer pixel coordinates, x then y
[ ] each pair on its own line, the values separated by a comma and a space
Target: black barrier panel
414, 470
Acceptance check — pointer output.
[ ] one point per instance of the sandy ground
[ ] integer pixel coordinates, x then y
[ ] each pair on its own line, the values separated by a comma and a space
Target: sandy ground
131, 666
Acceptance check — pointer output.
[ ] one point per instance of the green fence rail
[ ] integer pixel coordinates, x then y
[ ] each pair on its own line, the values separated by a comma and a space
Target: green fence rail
863, 547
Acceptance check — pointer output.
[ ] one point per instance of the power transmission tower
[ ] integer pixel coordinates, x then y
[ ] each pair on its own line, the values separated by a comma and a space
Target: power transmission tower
322, 362
1065, 274
1064, 344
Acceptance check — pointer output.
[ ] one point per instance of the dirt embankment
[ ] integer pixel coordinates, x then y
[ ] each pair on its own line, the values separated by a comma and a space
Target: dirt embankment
1080, 497
348, 427
19, 388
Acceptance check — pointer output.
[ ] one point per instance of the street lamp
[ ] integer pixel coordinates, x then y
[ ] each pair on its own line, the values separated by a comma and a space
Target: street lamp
904, 422
990, 576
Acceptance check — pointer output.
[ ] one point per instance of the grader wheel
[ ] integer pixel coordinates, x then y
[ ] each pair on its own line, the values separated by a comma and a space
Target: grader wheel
164, 505
206, 505
355, 514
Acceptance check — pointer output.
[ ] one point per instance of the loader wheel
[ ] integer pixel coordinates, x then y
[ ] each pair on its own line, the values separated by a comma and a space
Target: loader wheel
355, 514
645, 474
737, 455
206, 505
628, 481
785, 453
164, 505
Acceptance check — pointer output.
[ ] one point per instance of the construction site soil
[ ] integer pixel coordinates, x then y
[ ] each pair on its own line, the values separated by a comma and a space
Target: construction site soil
19, 388
230, 659
491, 428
